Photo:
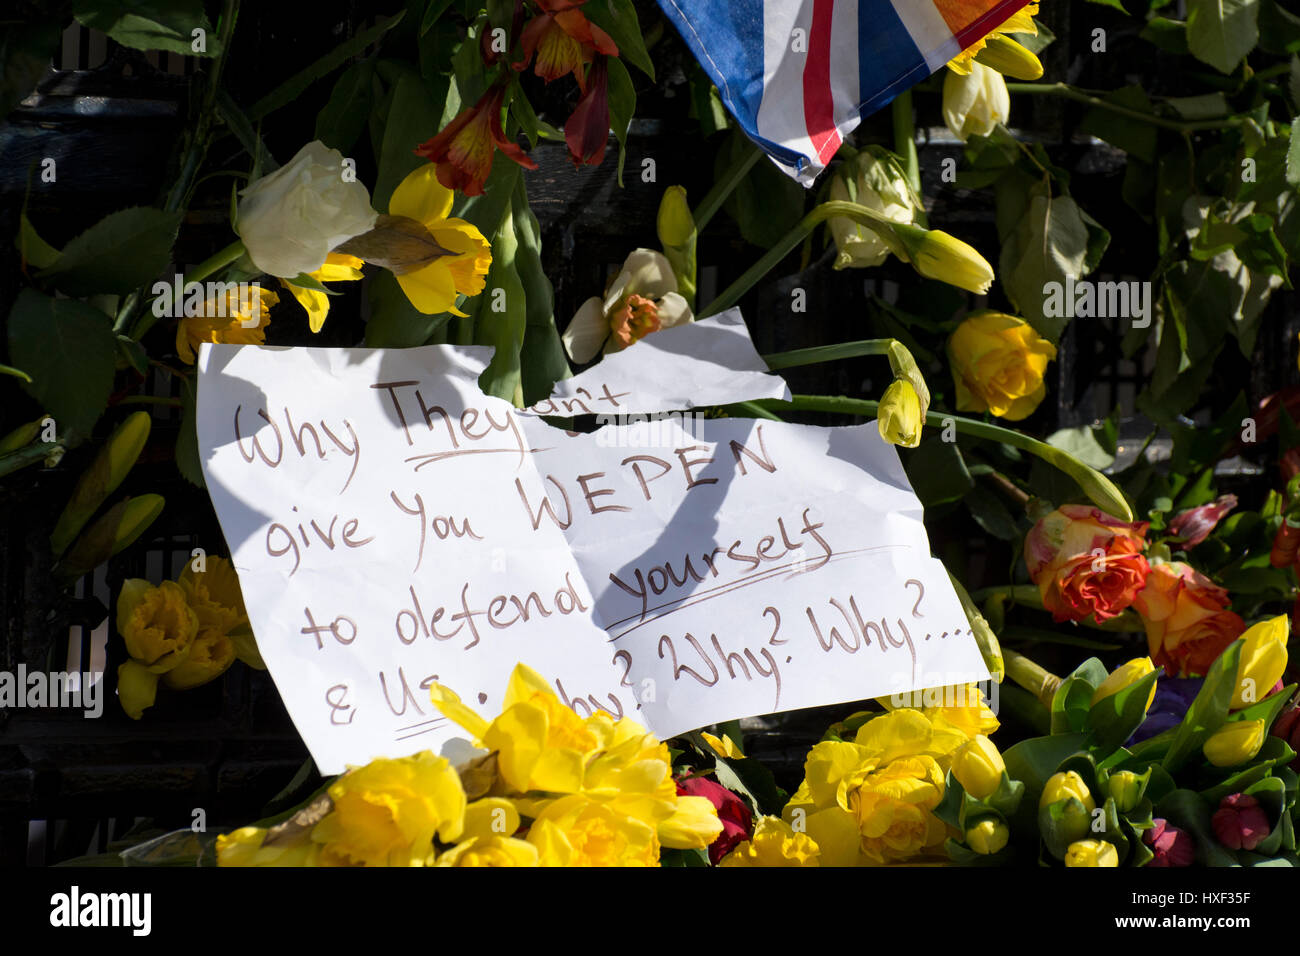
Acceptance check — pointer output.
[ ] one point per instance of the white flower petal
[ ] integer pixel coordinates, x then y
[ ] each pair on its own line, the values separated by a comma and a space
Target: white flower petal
673, 310
645, 272
586, 332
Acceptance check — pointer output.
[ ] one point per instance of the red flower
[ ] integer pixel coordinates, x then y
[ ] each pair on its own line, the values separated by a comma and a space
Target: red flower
1195, 524
1171, 846
1287, 727
564, 41
587, 128
1085, 561
737, 820
463, 151
1240, 823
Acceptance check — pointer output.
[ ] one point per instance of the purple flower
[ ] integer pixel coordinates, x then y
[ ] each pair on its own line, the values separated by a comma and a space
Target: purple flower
1171, 846
1173, 696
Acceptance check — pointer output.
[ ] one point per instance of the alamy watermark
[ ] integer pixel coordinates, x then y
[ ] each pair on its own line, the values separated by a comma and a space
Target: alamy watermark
79, 690
178, 298
660, 430
945, 690
1074, 299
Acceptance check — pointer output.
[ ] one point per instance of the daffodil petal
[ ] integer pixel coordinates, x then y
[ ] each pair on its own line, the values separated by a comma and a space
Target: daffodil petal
421, 197
587, 332
316, 303
673, 310
431, 289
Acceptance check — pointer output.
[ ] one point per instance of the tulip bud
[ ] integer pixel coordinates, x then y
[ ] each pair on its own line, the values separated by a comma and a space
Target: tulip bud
899, 415
101, 479
1124, 676
22, 435
874, 179
1063, 786
1126, 789
1091, 853
1240, 823
137, 687
1171, 846
978, 767
1235, 743
677, 235
975, 103
988, 836
1263, 659
937, 255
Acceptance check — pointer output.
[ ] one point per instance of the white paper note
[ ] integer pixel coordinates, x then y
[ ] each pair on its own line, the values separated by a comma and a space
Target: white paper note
393, 526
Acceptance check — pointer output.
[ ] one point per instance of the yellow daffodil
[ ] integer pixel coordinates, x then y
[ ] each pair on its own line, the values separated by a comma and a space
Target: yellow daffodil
642, 299
958, 707
937, 255
490, 851
231, 318
899, 415
338, 267
578, 831
248, 846
998, 51
387, 812
722, 746
216, 598
156, 623
210, 656
137, 688
998, 364
462, 256
774, 843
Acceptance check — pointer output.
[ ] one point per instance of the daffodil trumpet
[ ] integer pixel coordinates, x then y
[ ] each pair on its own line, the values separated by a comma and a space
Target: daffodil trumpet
933, 253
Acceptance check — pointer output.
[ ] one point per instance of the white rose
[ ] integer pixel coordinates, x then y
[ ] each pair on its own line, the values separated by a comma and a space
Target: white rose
291, 219
973, 105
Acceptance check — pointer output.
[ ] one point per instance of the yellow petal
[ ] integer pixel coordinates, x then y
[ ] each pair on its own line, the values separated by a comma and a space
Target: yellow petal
316, 303
421, 197
431, 289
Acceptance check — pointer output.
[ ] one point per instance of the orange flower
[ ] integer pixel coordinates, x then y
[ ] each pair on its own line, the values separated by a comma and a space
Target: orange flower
1085, 561
1186, 617
464, 150
564, 41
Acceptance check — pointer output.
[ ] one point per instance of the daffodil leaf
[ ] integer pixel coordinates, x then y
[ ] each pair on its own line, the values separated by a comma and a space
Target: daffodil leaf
15, 372
395, 323
121, 252
412, 118
341, 121
304, 281
398, 243
543, 359
622, 105
68, 348
170, 25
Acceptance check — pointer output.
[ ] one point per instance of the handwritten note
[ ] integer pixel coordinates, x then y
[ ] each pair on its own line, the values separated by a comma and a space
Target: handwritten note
392, 526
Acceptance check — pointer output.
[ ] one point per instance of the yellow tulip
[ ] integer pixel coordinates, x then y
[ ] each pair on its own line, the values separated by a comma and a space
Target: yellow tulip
1091, 853
137, 687
1235, 742
1263, 660
899, 416
1124, 676
1126, 788
156, 623
1063, 786
988, 836
979, 767
998, 362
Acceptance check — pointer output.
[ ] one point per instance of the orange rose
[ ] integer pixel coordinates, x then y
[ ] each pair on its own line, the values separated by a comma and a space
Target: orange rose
1085, 561
1187, 621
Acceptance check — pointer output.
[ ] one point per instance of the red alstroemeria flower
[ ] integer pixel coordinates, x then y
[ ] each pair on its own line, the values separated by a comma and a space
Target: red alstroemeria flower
564, 41
463, 151
587, 128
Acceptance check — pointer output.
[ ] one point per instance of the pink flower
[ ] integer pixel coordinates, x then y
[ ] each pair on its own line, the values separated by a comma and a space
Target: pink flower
1171, 846
737, 820
1240, 823
1195, 524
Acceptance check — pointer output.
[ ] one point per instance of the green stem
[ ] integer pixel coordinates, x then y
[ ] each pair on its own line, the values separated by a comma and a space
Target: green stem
827, 353
1070, 93
218, 260
804, 227
724, 187
1039, 681
905, 138
1027, 708
1100, 489
28, 455
1029, 595
151, 400
752, 410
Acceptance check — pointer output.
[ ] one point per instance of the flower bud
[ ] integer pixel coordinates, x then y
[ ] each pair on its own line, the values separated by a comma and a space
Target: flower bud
1126, 789
1235, 743
1263, 659
101, 479
1063, 786
1195, 524
988, 836
937, 255
677, 235
874, 179
975, 103
899, 415
1009, 58
137, 687
978, 767
1124, 676
1091, 853
1240, 823
1171, 846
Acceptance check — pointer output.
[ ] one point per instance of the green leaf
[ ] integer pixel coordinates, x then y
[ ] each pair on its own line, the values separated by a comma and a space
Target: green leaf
544, 361
412, 118
618, 19
1208, 712
432, 12
342, 120
151, 24
292, 88
1222, 32
1186, 810
767, 203
1082, 443
1112, 720
238, 123
991, 514
1293, 155
501, 318
751, 777
188, 462
33, 249
1073, 698
938, 472
622, 104
68, 348
1049, 244
121, 252
1136, 137
1168, 35
1034, 760
1279, 29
